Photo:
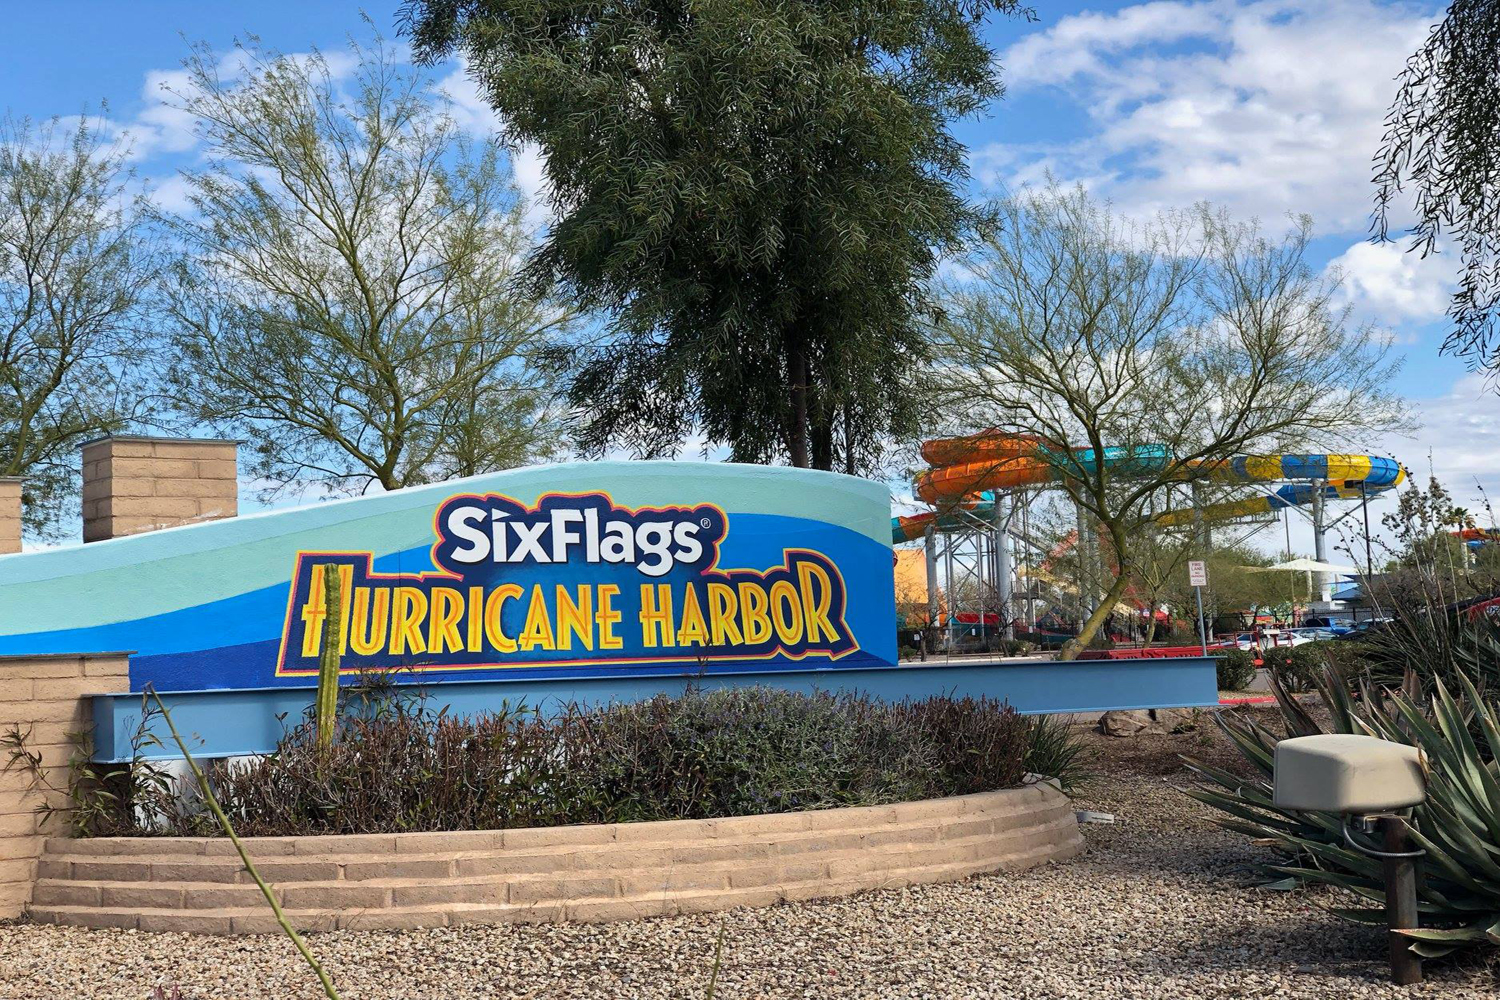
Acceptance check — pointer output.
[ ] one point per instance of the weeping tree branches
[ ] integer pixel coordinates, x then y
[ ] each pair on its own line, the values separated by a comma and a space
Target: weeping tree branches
755, 193
1442, 141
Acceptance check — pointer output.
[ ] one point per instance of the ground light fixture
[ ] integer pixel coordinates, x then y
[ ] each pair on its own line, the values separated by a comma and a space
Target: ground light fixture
1373, 784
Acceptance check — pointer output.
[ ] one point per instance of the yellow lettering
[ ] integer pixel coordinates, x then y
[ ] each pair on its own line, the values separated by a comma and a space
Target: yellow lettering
538, 630
693, 630
753, 618
493, 630
723, 606
607, 617
475, 611
406, 621
786, 611
371, 620
312, 614
656, 614
573, 617
815, 603
442, 627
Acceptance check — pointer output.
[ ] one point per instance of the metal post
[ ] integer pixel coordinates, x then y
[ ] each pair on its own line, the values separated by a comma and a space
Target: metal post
1320, 541
1291, 578
1202, 631
1004, 582
950, 594
1400, 899
930, 636
1364, 502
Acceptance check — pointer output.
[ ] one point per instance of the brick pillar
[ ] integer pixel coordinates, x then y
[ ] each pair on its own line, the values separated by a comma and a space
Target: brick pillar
136, 484
10, 514
45, 699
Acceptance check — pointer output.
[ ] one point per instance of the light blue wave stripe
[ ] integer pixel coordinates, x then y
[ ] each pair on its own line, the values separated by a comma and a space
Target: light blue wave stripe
160, 571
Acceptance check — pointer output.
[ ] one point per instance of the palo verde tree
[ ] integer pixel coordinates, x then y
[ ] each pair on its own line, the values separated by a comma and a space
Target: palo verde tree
75, 264
1442, 140
755, 192
1176, 343
345, 298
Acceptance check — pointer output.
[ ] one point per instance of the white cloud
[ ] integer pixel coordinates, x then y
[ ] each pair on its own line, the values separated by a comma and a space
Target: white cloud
1459, 437
1387, 283
1266, 108
474, 115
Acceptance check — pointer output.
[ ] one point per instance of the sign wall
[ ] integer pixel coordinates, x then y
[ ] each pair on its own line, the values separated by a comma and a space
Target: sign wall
582, 569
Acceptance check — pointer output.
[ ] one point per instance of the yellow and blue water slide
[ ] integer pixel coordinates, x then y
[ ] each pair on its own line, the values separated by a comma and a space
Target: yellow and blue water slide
1336, 477
965, 470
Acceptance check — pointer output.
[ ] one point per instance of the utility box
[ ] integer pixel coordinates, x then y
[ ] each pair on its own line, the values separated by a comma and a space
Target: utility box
1347, 773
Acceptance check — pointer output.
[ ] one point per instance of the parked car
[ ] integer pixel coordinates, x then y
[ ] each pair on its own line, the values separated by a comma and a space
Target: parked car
1305, 634
1328, 622
1244, 640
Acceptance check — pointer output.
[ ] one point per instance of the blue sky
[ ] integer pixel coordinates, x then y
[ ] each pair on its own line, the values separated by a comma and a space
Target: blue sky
1266, 108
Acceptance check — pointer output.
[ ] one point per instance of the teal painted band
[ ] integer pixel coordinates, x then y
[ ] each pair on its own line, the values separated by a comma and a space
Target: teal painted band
160, 571
237, 722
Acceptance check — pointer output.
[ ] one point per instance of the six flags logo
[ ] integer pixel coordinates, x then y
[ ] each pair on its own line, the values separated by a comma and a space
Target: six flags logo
574, 580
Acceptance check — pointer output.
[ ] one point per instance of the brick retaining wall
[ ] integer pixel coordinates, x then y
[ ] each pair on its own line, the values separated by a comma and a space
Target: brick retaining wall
592, 873
45, 696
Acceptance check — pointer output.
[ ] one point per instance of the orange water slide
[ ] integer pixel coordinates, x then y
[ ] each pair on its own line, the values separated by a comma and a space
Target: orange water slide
988, 460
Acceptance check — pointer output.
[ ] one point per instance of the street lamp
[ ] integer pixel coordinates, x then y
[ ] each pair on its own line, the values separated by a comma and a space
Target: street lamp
1371, 781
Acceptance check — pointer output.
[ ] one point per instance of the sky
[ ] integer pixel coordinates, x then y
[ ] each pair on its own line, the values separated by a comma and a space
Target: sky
1268, 109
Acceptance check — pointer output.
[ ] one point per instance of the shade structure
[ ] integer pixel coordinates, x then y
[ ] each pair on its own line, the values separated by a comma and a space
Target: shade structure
1307, 566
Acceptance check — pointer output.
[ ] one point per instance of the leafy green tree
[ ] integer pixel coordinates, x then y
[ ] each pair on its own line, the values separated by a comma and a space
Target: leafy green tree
1442, 140
345, 299
75, 265
756, 192
1181, 341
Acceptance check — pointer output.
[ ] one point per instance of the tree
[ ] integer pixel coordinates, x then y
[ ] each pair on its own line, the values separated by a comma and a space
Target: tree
1164, 347
1158, 570
346, 300
1443, 139
756, 192
75, 264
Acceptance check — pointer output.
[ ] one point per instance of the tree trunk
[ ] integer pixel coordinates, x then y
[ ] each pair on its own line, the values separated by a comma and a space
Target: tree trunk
848, 442
1150, 626
821, 434
1079, 643
796, 444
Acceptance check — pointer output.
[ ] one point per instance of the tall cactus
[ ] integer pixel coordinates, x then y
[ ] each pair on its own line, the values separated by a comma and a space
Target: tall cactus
331, 655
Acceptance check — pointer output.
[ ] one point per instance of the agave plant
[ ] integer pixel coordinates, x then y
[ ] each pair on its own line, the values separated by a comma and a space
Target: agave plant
1458, 826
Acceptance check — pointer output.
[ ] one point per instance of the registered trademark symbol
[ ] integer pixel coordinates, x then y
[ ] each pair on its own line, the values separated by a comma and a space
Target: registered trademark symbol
704, 522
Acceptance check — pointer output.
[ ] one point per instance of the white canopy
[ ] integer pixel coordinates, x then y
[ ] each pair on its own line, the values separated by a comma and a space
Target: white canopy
1308, 566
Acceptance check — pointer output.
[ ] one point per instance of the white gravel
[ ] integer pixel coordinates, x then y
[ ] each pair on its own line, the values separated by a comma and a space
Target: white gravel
1154, 909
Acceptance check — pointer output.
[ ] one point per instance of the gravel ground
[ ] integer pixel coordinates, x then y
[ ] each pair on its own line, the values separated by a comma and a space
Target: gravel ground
1155, 908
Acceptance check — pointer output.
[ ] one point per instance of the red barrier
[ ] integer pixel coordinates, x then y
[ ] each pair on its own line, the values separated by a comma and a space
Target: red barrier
1154, 652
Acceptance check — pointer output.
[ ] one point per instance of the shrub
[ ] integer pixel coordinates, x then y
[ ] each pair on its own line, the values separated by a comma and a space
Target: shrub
1458, 883
1298, 667
1054, 749
1236, 669
721, 753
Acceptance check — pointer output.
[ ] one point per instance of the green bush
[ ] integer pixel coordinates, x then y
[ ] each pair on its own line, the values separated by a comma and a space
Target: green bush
1297, 667
1458, 884
704, 755
1236, 669
1054, 749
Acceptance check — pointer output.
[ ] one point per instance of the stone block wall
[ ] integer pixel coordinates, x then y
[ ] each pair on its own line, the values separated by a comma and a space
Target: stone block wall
45, 698
588, 873
135, 484
10, 514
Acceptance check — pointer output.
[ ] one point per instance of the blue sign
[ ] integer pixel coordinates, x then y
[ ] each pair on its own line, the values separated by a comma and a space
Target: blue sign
593, 569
